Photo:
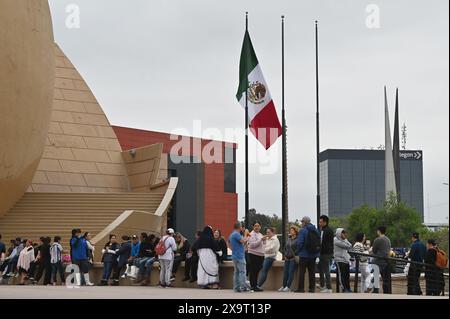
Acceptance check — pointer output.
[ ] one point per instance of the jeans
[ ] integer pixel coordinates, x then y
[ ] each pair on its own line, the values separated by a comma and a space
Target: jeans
267, 264
58, 268
239, 274
107, 270
342, 277
149, 264
324, 271
289, 272
166, 271
256, 263
140, 263
310, 264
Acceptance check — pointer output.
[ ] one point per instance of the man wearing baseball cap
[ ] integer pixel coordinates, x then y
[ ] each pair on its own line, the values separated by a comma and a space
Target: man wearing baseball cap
166, 259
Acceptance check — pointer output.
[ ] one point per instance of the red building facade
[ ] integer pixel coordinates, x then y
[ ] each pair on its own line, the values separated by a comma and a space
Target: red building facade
216, 184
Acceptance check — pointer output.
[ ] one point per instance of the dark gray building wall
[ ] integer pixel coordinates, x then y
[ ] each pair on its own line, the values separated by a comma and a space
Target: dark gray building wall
187, 213
352, 178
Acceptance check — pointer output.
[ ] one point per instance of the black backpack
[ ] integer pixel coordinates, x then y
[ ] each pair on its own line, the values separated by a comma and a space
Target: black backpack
313, 244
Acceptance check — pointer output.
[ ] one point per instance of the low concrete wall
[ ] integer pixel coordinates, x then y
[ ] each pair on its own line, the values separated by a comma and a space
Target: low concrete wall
274, 279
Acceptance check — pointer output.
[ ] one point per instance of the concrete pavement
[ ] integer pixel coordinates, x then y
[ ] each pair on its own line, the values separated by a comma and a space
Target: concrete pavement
136, 292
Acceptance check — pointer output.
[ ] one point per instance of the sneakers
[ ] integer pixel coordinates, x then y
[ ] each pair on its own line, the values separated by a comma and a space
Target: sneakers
258, 289
286, 289
242, 290
281, 289
324, 290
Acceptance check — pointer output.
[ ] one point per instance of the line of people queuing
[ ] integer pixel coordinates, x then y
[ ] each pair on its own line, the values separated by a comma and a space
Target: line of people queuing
306, 249
310, 248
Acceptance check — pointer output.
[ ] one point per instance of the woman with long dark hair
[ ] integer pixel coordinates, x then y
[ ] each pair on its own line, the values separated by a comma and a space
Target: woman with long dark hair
255, 255
222, 245
44, 259
208, 265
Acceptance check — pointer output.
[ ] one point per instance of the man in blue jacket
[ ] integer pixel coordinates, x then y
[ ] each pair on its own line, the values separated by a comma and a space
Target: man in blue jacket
416, 253
79, 254
306, 241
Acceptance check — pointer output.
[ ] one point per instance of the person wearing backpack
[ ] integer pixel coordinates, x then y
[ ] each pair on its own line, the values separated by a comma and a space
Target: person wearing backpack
308, 249
435, 261
165, 250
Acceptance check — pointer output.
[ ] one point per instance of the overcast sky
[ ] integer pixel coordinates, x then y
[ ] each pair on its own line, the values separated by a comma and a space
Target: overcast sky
179, 59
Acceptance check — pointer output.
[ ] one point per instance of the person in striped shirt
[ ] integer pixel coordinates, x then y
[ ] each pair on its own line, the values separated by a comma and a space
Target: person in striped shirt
56, 251
360, 247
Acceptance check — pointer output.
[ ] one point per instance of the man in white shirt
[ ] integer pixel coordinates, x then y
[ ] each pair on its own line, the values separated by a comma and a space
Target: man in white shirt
166, 259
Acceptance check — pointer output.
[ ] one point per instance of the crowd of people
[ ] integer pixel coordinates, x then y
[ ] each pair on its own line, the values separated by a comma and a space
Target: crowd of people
307, 249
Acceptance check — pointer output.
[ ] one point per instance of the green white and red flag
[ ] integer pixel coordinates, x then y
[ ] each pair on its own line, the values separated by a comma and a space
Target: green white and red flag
262, 116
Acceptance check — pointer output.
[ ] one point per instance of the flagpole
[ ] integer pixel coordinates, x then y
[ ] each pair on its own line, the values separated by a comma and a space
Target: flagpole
247, 222
317, 126
284, 194
396, 148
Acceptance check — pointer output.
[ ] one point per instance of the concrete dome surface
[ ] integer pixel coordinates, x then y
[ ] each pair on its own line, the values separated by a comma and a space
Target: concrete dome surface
27, 72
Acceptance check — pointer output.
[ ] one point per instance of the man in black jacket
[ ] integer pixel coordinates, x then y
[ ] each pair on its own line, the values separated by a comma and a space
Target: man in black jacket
124, 253
145, 259
326, 254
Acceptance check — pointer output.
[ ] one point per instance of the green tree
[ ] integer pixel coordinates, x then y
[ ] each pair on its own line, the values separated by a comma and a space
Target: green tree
365, 220
400, 221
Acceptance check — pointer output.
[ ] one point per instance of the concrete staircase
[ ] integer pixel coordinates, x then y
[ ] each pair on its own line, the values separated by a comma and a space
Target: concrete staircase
51, 214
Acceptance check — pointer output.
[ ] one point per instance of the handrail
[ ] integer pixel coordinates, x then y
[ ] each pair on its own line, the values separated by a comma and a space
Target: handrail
404, 260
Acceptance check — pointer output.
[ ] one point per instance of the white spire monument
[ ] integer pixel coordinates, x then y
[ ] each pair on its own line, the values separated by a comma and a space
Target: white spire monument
389, 173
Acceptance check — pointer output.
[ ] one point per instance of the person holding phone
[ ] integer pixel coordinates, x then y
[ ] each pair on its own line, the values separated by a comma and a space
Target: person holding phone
271, 248
237, 239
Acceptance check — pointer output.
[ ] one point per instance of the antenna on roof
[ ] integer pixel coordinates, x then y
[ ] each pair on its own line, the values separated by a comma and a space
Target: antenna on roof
404, 135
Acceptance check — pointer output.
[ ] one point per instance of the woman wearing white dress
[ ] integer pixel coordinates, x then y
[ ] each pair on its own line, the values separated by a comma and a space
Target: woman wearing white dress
208, 264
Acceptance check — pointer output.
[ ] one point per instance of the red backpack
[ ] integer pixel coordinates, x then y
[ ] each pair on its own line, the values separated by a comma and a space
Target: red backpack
160, 248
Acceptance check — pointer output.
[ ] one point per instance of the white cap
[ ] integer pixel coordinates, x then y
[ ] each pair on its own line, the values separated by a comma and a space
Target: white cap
170, 231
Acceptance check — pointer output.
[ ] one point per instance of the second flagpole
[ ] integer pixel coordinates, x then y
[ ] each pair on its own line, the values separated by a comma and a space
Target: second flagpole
247, 222
284, 193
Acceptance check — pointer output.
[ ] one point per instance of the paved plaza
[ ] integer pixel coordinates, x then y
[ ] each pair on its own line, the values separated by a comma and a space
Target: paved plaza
128, 292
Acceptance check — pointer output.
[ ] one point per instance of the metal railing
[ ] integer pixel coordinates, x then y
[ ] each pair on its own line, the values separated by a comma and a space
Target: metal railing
434, 276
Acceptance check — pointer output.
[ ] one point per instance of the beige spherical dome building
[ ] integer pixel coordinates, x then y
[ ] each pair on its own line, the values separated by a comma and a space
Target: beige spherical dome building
61, 164
27, 68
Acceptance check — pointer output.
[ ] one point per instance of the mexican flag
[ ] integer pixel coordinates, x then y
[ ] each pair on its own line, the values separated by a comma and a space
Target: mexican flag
262, 116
